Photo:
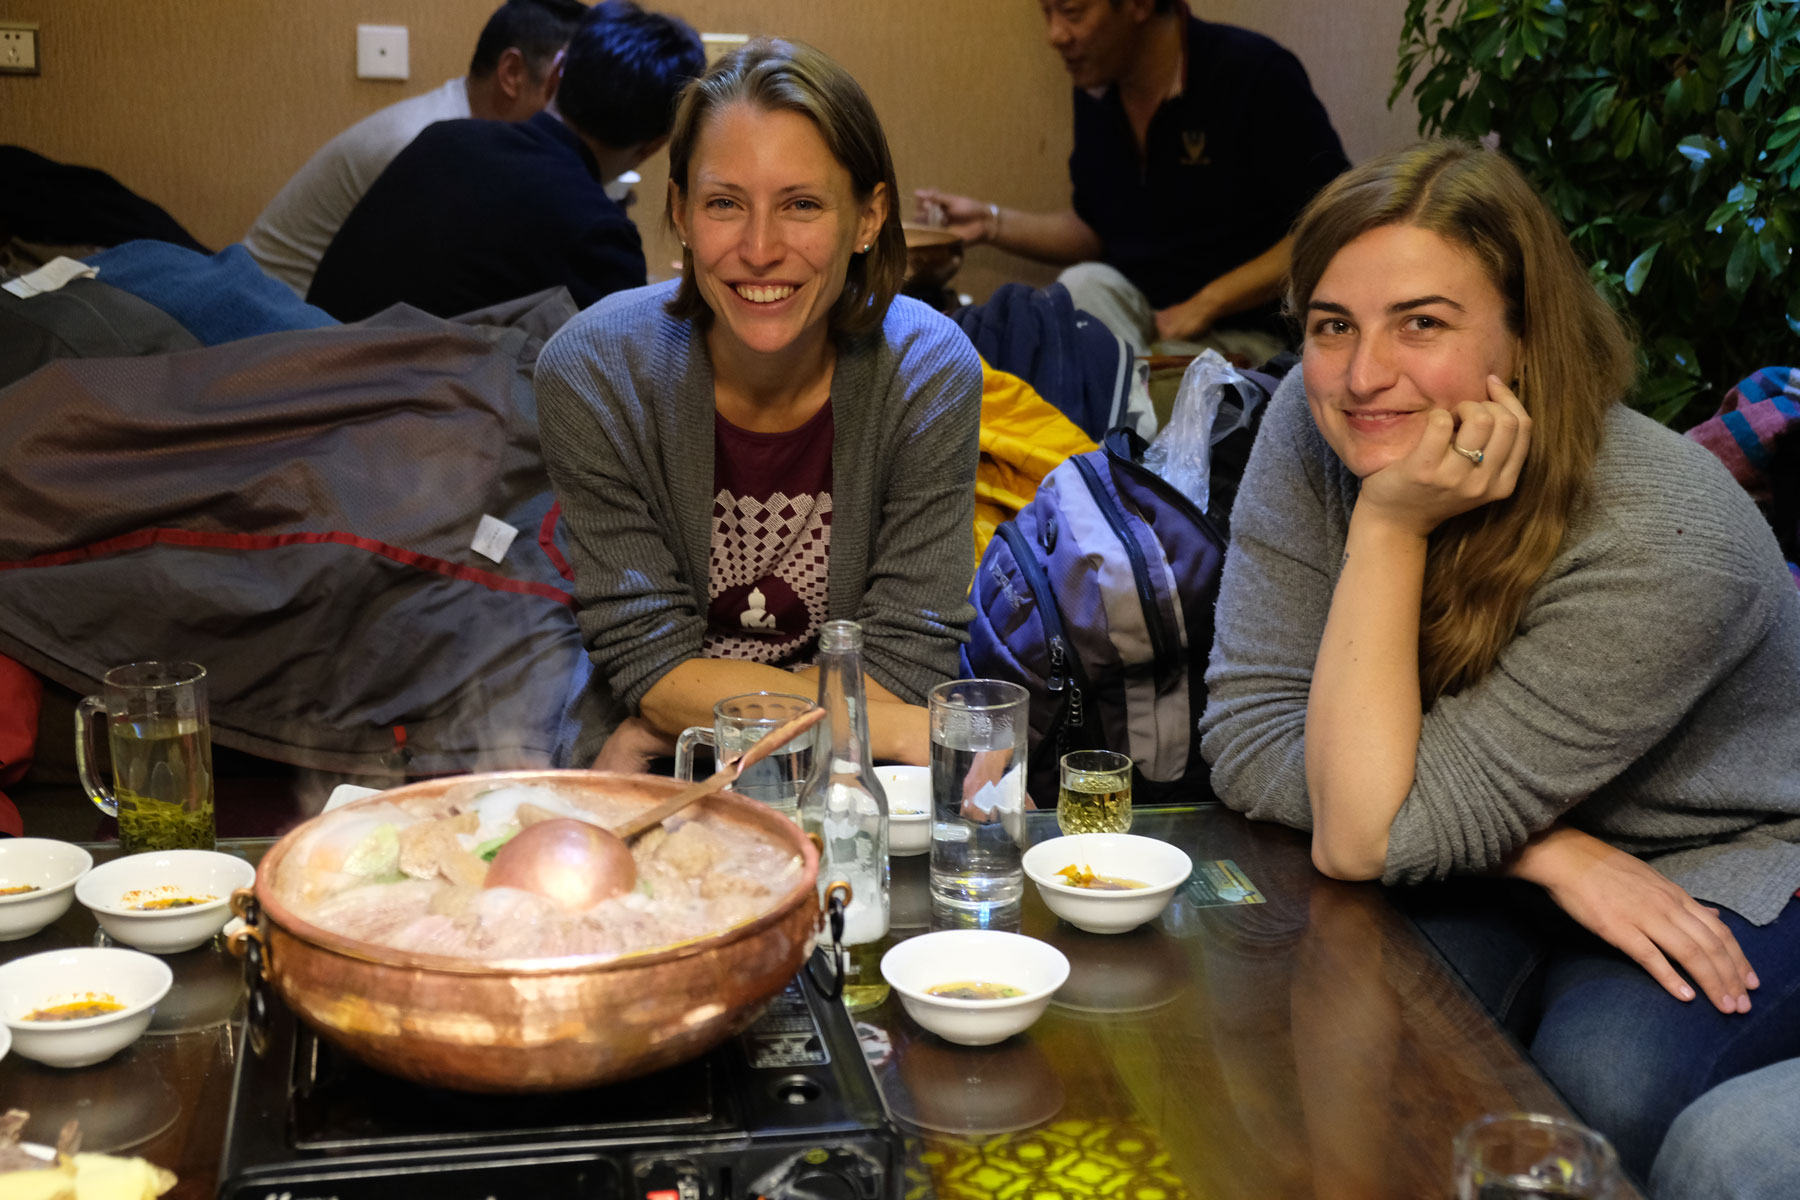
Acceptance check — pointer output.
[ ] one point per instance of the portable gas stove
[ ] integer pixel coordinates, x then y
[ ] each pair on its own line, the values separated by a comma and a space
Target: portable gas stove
786, 1110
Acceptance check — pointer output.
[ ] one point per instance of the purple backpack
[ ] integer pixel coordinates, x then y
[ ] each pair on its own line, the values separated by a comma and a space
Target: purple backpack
1098, 598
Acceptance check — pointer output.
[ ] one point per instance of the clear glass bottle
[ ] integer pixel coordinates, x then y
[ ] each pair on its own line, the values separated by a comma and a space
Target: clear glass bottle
843, 802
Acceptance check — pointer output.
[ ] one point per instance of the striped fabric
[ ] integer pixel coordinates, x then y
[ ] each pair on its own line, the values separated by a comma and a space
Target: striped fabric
1756, 412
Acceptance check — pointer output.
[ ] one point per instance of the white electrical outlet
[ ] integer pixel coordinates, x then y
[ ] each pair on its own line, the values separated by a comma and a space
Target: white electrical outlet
718, 45
18, 48
381, 52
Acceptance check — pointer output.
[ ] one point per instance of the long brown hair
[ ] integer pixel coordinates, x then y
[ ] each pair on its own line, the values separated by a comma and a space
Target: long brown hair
776, 75
1575, 362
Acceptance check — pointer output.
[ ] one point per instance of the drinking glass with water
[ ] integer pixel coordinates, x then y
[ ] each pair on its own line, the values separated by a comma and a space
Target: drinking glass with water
739, 722
1528, 1156
978, 735
161, 743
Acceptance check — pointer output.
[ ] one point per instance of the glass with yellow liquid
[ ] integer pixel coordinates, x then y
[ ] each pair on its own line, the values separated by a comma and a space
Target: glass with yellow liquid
1095, 796
161, 742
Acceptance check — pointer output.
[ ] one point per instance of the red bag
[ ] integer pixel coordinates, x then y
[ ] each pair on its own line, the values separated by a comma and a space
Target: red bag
21, 694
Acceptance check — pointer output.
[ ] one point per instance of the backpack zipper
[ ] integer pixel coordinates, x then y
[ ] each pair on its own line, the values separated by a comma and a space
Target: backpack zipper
1056, 646
1140, 566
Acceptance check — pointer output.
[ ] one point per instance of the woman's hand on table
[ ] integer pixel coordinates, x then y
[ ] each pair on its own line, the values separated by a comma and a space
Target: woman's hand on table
1437, 480
632, 746
1627, 903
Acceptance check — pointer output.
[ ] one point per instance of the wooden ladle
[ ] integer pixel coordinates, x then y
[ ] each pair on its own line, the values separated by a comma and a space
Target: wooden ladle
577, 864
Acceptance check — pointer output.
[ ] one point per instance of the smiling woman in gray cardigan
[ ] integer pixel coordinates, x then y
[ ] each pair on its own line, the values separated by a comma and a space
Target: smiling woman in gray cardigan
775, 440
1479, 618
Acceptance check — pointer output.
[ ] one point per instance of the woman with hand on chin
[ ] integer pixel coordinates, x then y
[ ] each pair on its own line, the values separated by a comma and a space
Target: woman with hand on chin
776, 439
1479, 618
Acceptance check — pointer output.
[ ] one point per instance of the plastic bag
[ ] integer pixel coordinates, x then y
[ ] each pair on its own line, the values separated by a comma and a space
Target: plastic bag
1182, 452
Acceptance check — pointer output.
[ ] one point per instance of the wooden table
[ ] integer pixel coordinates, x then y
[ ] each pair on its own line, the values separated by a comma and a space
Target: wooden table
1310, 1045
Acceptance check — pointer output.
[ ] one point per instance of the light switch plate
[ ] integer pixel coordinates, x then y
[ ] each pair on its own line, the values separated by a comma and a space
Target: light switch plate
381, 52
18, 48
718, 45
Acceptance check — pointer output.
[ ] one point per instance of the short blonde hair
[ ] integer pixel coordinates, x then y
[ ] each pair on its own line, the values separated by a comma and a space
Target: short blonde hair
782, 76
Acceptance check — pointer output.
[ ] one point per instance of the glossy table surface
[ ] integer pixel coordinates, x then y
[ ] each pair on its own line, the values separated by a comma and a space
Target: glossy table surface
1309, 1045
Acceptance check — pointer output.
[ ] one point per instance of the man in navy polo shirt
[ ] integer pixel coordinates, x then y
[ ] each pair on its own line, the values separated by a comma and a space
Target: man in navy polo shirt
1196, 145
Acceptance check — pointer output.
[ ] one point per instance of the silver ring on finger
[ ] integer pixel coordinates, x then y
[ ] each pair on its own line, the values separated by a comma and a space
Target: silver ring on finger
1474, 456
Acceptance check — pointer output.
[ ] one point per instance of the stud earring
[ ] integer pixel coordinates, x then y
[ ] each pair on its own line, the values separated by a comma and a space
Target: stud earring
866, 246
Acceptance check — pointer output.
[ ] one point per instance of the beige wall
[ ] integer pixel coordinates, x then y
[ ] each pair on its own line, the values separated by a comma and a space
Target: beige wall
207, 106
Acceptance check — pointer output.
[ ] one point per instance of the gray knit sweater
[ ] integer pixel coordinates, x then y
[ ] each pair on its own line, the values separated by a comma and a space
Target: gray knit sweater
625, 405
1651, 696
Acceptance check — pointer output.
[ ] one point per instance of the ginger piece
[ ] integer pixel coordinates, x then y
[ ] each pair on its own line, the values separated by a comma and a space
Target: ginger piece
429, 850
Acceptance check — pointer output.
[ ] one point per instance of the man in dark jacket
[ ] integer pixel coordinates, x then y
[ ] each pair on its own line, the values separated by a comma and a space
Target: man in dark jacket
473, 213
1196, 145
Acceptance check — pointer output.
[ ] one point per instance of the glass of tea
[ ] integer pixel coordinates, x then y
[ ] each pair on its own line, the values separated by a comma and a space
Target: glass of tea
1095, 796
1527, 1156
156, 725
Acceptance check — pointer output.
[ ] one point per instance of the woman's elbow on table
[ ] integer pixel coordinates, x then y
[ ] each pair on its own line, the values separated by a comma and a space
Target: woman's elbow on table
1355, 863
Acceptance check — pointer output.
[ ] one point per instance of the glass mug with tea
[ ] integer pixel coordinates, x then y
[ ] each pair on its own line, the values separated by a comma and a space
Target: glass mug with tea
161, 743
739, 722
1530, 1156
1095, 796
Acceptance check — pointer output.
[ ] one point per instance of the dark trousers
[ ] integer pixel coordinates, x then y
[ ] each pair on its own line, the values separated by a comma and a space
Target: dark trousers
1626, 1055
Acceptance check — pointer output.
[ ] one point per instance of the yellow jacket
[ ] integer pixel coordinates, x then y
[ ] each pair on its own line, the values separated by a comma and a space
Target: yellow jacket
1023, 436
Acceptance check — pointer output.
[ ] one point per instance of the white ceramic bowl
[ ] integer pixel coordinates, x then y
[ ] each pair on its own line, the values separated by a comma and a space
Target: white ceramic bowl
112, 891
909, 808
50, 866
37, 981
5, 1041
1158, 865
974, 955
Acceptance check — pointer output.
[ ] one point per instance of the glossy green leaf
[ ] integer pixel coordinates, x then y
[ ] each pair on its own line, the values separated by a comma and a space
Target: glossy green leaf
1758, 81
1639, 270
1742, 267
1774, 249
1675, 98
1696, 148
1719, 217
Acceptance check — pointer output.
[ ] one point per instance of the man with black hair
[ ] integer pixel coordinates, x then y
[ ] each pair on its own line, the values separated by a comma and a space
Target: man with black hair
1196, 146
477, 212
509, 79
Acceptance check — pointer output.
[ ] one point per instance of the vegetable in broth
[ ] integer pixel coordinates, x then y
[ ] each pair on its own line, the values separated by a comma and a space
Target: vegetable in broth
93, 1005
1084, 877
974, 989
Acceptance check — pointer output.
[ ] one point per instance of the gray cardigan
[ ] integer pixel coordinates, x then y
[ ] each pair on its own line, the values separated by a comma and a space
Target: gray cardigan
1651, 696
625, 405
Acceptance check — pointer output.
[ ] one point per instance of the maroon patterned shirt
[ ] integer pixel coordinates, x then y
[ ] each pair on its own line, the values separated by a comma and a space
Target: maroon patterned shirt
771, 541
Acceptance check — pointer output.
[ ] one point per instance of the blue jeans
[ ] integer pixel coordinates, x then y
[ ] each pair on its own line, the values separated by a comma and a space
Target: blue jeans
1626, 1055
1736, 1142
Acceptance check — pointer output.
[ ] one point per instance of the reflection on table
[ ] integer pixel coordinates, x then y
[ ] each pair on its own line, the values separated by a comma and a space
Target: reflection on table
165, 1096
1311, 1045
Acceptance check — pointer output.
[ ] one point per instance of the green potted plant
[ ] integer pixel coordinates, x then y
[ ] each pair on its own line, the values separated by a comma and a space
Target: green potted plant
1666, 135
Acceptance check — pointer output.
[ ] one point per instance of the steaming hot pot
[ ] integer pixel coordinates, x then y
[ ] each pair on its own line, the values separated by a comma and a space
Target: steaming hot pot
533, 1025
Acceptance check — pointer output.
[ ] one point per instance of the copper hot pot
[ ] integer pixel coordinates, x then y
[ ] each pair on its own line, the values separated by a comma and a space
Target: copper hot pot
534, 1025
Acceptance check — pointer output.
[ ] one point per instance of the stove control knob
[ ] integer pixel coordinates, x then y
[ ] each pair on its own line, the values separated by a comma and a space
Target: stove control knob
819, 1183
